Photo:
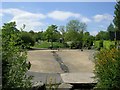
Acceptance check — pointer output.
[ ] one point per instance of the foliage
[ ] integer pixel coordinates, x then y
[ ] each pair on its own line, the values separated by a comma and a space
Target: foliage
117, 21
102, 35
74, 31
46, 44
27, 39
52, 34
96, 44
42, 44
76, 25
87, 40
107, 69
110, 28
117, 16
13, 59
62, 30
111, 32
106, 44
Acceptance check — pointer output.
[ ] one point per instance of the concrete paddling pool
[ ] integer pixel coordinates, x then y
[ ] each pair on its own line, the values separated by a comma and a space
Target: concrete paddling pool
68, 66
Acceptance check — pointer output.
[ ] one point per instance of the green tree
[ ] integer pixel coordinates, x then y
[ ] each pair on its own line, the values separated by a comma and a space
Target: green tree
117, 20
86, 36
62, 30
111, 32
102, 35
117, 16
88, 40
74, 31
39, 36
110, 28
27, 40
32, 32
51, 34
14, 66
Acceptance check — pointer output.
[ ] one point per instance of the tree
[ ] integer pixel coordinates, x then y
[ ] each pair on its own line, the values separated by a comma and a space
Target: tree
117, 16
74, 31
52, 34
117, 20
111, 31
31, 32
27, 40
102, 35
14, 66
76, 25
62, 30
86, 36
110, 28
39, 36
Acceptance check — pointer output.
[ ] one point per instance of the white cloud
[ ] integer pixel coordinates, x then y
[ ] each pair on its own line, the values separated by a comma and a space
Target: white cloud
85, 19
64, 15
31, 20
102, 17
18, 12
94, 33
1, 14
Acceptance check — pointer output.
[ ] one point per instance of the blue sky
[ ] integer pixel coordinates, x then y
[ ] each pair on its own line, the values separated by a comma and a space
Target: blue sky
38, 15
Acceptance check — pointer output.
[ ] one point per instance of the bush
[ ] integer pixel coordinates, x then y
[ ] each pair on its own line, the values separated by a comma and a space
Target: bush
109, 44
107, 69
27, 40
14, 66
75, 45
104, 44
96, 43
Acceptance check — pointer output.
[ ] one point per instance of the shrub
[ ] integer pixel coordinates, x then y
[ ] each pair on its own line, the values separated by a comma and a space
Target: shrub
107, 69
27, 40
14, 66
96, 43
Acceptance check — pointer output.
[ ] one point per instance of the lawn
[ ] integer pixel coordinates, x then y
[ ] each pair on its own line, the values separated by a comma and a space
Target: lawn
46, 44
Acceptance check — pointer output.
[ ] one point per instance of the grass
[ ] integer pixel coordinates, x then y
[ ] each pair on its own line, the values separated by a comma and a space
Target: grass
42, 45
46, 44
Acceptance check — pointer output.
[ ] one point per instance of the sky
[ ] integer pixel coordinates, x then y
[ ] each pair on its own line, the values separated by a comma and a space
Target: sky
37, 16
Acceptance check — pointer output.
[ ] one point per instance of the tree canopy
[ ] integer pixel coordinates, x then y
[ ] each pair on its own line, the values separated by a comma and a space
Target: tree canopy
14, 66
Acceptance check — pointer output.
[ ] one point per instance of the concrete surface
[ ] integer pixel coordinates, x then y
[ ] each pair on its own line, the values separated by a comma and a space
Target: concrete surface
78, 77
44, 65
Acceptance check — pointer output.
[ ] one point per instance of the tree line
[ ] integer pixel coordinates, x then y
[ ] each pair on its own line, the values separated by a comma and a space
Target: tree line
73, 35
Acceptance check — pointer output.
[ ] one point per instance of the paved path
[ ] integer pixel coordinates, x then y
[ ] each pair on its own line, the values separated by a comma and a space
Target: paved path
44, 63
59, 60
46, 78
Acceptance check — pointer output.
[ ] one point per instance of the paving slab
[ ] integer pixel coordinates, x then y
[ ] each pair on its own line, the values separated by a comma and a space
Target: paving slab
43, 61
78, 78
46, 78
